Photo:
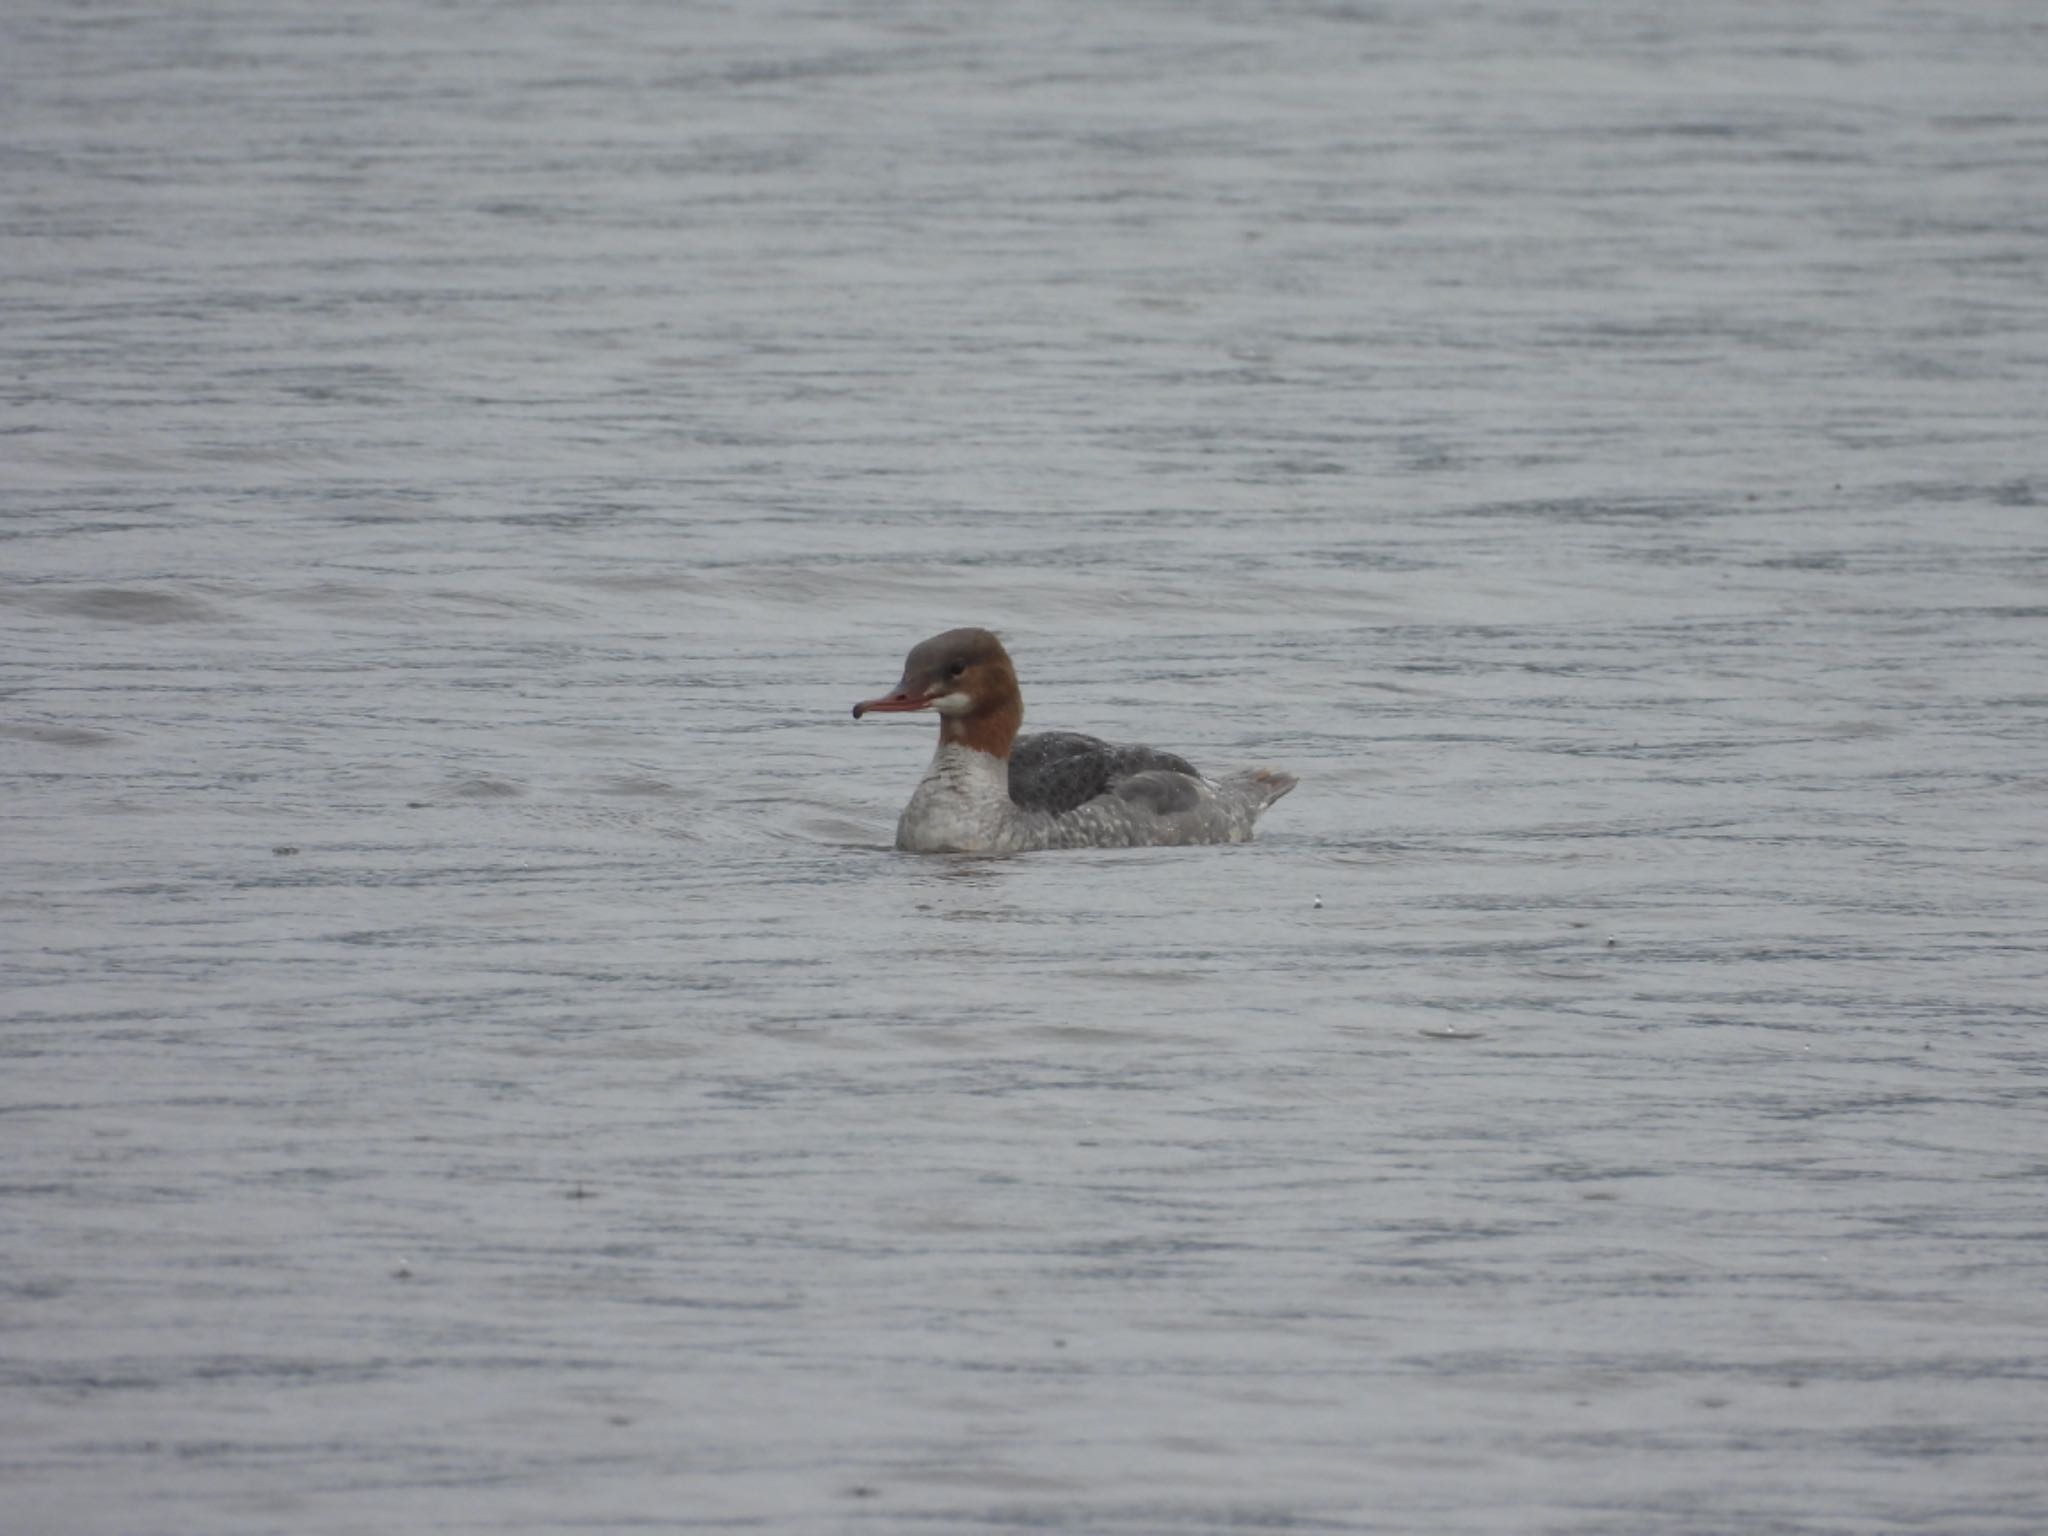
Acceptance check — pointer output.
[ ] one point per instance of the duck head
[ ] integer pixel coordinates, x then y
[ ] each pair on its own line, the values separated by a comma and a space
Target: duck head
964, 676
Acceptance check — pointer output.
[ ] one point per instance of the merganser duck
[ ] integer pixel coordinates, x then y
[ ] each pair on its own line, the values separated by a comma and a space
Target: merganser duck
989, 790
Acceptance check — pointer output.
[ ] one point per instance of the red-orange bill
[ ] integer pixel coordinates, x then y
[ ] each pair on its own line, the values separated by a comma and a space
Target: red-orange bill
893, 703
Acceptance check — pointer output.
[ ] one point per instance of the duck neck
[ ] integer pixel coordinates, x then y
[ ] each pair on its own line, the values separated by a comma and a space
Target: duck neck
989, 728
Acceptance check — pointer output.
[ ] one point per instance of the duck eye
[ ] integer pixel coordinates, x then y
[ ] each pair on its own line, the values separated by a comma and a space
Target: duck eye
956, 669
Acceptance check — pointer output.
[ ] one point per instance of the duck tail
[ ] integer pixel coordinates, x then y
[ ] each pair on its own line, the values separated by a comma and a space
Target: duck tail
1262, 786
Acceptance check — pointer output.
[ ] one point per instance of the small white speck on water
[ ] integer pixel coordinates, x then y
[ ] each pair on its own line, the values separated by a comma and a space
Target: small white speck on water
1319, 903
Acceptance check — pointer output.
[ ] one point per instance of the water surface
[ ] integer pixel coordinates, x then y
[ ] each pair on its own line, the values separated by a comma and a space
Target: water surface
474, 1062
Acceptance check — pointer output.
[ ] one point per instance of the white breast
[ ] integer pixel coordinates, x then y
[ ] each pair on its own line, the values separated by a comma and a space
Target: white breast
962, 805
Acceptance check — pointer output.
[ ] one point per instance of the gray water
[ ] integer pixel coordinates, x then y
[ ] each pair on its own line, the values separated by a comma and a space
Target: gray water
473, 1061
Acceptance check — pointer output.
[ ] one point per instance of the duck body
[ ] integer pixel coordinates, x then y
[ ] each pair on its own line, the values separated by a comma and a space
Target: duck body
990, 790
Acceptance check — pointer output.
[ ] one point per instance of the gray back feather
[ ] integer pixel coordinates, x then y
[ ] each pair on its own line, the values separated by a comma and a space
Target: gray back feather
1058, 771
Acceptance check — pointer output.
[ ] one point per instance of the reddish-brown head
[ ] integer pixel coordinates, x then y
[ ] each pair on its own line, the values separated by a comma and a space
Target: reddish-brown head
964, 674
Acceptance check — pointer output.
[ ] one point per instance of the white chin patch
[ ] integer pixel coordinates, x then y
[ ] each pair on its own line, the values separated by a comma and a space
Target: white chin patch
952, 703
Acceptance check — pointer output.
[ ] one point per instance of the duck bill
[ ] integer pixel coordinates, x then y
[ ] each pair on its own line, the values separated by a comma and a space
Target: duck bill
902, 701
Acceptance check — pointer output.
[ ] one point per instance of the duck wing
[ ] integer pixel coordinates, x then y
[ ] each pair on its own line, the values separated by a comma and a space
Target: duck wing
1059, 771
